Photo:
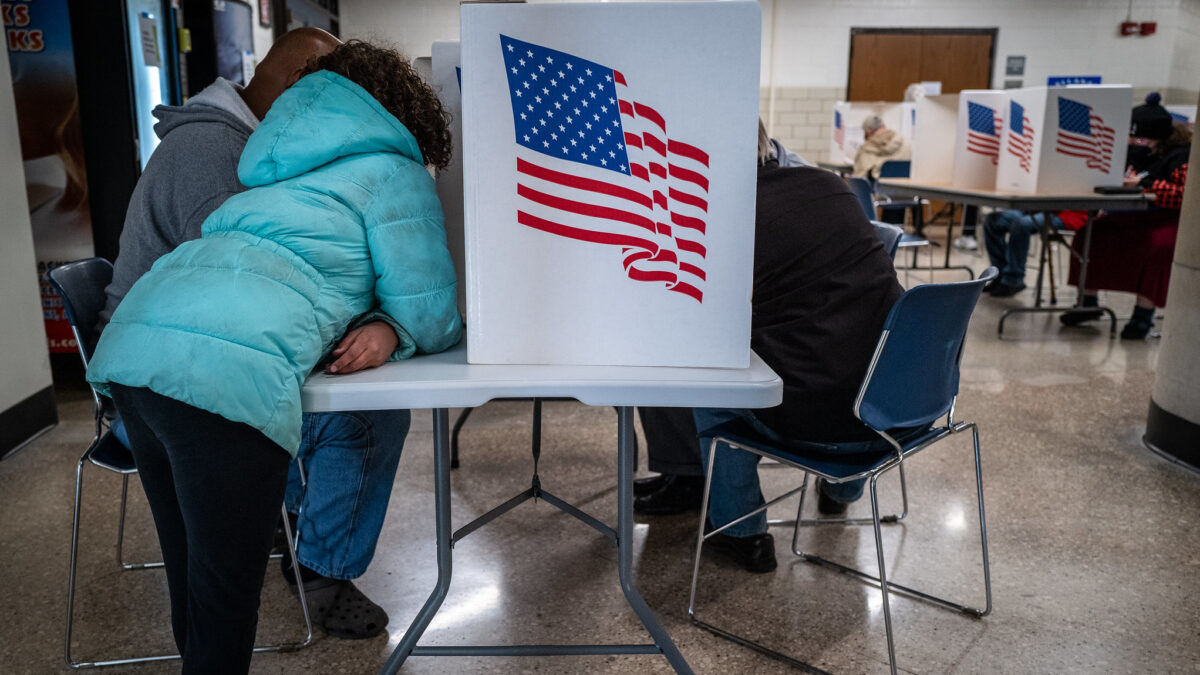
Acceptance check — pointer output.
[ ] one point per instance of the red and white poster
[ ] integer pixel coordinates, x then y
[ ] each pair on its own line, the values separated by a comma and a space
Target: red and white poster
38, 37
609, 170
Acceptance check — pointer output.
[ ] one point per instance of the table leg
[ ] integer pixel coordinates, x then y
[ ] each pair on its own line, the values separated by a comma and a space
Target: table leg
625, 469
441, 471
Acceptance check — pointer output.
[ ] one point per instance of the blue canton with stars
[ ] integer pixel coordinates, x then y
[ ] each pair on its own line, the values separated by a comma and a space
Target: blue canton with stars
564, 106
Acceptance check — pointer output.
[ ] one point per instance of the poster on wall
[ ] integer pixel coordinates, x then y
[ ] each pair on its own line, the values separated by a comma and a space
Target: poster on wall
38, 36
609, 200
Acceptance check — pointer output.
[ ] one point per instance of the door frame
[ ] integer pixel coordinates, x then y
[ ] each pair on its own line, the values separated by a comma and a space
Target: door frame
994, 32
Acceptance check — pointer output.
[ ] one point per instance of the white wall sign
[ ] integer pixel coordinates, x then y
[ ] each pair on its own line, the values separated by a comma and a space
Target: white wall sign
609, 173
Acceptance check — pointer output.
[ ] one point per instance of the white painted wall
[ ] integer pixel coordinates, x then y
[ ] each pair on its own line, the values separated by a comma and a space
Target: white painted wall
24, 360
812, 44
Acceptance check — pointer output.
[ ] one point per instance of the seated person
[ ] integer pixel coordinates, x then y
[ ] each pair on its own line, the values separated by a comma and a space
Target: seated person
190, 174
206, 355
1006, 236
881, 144
672, 448
823, 286
1133, 251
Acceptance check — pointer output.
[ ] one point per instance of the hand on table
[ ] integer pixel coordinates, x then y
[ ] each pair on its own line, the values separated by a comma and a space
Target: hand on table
364, 347
1132, 178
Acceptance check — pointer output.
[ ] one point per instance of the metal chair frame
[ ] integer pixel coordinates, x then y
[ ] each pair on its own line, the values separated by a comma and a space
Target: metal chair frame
894, 461
103, 430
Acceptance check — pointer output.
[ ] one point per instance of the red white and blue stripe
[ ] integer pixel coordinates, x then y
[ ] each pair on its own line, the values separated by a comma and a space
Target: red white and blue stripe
1020, 136
983, 130
1082, 133
595, 165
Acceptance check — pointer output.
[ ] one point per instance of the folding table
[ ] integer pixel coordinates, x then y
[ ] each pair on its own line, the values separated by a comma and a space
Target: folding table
1034, 203
446, 380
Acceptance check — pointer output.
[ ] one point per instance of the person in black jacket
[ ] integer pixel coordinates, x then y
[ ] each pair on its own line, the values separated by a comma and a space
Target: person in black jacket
823, 286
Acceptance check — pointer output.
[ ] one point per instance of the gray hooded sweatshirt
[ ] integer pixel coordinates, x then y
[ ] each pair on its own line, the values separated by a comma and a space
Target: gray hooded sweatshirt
190, 174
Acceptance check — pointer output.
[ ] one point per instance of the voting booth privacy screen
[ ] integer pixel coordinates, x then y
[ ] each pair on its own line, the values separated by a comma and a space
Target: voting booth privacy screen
847, 126
445, 64
980, 128
609, 175
1064, 139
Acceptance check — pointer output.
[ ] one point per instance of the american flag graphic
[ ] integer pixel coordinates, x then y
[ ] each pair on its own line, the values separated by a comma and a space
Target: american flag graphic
1020, 137
839, 131
590, 155
1082, 133
983, 131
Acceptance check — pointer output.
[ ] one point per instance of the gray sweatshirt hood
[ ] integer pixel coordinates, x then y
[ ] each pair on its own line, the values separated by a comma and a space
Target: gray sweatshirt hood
220, 102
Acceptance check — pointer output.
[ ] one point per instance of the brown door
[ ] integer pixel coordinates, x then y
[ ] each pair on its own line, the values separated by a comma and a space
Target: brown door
883, 63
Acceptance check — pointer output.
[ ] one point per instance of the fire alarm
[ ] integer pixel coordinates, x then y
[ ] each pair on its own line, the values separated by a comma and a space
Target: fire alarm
1129, 28
1149, 27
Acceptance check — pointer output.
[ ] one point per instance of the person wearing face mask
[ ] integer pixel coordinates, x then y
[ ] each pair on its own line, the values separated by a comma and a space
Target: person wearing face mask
1132, 252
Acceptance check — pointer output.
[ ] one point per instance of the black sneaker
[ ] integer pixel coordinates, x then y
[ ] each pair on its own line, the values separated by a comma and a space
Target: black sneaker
1005, 290
1074, 317
1136, 329
678, 494
649, 485
755, 554
826, 505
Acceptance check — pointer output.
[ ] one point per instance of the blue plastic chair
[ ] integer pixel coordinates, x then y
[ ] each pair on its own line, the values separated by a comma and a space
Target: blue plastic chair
889, 235
910, 385
81, 285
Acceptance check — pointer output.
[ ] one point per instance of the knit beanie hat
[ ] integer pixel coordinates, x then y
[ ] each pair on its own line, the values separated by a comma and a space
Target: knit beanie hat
1151, 120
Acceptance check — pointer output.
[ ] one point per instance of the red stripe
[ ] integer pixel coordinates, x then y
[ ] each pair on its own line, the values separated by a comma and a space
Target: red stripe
581, 234
620, 79
690, 200
651, 275
625, 107
660, 199
665, 255
664, 228
688, 222
583, 209
689, 151
690, 246
688, 289
658, 170
531, 169
693, 270
655, 144
650, 114
635, 256
638, 171
688, 175
633, 139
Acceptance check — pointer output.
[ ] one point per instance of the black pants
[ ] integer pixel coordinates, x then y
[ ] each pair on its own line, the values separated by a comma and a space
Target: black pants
671, 442
215, 488
970, 220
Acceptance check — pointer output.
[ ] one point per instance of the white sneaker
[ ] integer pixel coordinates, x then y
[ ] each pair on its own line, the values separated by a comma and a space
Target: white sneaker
966, 243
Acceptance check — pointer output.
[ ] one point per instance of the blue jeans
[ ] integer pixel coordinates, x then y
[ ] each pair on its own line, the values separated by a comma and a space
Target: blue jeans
1006, 235
735, 490
350, 461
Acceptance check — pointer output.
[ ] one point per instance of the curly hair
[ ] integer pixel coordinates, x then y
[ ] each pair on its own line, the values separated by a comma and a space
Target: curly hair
390, 78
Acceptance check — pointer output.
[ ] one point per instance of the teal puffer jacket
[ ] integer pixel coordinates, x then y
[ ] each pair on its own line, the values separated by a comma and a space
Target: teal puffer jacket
341, 215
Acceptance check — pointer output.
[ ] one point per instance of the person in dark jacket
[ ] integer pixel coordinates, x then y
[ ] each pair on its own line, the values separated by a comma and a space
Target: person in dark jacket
823, 286
1133, 251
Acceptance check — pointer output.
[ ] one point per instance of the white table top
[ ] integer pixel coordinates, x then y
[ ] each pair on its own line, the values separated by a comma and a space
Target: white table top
1088, 201
446, 380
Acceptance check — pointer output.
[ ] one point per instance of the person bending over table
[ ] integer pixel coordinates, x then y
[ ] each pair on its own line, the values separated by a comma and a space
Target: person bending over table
190, 174
206, 355
823, 286
1133, 251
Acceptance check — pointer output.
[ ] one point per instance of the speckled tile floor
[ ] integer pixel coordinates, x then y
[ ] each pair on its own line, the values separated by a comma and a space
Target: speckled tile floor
1095, 551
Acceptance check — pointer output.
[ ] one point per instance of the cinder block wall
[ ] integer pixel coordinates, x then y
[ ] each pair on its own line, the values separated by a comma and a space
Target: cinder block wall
803, 119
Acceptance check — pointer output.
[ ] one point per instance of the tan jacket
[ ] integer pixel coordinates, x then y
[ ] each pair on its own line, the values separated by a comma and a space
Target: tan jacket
883, 146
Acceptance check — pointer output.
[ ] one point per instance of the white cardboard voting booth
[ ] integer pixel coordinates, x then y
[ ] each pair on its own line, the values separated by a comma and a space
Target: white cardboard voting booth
933, 139
979, 130
609, 173
445, 66
1064, 139
847, 135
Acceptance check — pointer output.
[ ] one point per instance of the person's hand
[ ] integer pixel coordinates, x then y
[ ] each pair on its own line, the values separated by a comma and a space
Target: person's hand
364, 347
1131, 178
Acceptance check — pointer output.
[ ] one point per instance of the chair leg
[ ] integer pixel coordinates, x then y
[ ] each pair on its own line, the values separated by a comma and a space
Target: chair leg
71, 566
987, 572
121, 532
883, 584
